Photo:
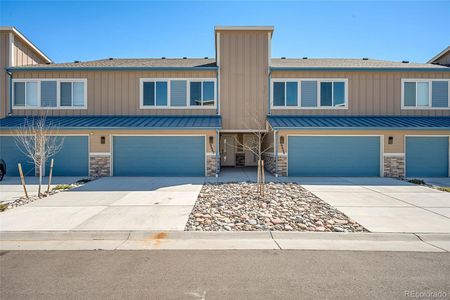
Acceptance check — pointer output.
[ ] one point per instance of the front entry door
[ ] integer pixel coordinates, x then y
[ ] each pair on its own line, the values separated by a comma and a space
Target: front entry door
227, 151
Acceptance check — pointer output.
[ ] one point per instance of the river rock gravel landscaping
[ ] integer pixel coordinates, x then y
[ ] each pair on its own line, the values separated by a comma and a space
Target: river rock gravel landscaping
285, 207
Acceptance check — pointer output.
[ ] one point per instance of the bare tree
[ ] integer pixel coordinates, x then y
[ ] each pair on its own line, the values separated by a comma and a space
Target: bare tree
255, 146
39, 142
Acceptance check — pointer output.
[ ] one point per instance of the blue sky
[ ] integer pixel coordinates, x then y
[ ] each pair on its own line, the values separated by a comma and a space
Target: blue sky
82, 30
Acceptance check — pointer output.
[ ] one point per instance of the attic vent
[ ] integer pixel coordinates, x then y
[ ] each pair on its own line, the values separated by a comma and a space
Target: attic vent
206, 57
365, 58
76, 61
283, 57
110, 58
184, 57
163, 57
405, 61
305, 57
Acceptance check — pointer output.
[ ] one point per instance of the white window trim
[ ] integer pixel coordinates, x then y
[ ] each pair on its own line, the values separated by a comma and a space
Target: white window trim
188, 93
58, 93
299, 101
430, 88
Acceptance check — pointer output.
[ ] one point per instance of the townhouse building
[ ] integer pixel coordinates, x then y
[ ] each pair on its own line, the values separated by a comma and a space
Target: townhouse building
191, 116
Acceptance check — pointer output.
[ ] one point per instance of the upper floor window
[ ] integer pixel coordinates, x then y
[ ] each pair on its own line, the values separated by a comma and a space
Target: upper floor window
49, 93
178, 93
425, 93
309, 93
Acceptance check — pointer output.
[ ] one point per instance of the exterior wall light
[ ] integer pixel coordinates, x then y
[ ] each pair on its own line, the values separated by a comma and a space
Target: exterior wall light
390, 140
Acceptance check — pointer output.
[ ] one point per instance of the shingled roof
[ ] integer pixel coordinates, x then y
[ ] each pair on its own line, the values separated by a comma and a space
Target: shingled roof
348, 63
210, 63
131, 63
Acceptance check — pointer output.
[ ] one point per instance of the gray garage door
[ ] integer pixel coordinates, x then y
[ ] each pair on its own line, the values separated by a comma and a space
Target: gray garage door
427, 156
159, 156
334, 156
11, 153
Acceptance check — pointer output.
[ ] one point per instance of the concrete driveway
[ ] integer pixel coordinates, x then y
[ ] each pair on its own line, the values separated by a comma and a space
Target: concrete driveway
385, 204
11, 187
110, 203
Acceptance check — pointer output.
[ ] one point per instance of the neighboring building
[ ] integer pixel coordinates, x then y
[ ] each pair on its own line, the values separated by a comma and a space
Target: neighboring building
169, 117
443, 58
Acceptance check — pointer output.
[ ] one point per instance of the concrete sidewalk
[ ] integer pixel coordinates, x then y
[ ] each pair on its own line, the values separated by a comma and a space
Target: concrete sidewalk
110, 203
385, 204
164, 240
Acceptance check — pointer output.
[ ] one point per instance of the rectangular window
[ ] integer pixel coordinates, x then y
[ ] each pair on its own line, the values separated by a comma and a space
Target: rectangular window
285, 93
279, 89
196, 93
19, 93
326, 94
291, 93
49, 94
208, 93
309, 93
26, 94
425, 94
161, 93
149, 93
65, 94
179, 93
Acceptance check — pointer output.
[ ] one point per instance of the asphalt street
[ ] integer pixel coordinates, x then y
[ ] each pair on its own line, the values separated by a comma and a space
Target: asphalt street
232, 274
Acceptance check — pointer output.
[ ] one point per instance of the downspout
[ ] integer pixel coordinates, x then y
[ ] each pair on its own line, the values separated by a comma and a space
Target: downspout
10, 93
217, 92
276, 152
268, 93
217, 154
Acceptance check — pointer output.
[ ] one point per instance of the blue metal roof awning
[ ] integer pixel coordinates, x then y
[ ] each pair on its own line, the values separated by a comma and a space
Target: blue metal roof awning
119, 122
359, 122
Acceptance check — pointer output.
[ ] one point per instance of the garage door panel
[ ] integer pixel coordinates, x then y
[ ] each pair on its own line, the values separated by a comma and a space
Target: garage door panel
11, 153
333, 156
72, 159
159, 155
427, 156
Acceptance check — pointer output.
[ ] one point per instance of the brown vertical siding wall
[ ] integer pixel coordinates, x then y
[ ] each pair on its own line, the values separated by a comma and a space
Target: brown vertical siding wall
243, 78
4, 62
24, 55
114, 92
444, 59
369, 93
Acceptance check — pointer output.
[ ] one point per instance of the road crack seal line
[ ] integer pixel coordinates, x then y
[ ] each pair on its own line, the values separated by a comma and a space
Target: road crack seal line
275, 241
429, 243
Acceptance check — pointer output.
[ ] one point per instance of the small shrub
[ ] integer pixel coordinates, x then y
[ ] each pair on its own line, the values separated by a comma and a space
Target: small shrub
83, 181
417, 181
62, 187
3, 207
444, 189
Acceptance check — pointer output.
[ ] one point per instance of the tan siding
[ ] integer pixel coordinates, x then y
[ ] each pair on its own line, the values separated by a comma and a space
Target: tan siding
398, 135
370, 93
243, 76
444, 59
115, 92
24, 55
4, 80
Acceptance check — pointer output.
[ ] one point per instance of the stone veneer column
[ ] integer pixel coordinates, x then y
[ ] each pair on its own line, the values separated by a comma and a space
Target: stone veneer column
100, 164
394, 165
270, 164
211, 165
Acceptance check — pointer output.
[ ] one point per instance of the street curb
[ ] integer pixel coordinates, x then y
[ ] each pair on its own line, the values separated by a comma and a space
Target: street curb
194, 240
